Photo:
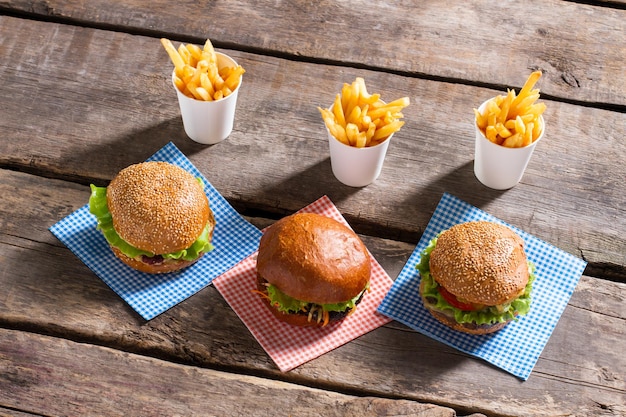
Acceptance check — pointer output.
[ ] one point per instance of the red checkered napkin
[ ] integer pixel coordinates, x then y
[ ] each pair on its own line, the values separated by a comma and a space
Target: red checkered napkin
291, 346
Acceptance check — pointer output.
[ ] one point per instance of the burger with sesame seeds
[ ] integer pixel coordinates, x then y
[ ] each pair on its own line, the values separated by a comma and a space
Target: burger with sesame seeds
155, 217
311, 270
475, 277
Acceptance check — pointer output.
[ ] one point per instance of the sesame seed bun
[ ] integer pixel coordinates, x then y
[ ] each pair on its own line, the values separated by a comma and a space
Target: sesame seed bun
160, 208
164, 267
480, 262
313, 258
157, 207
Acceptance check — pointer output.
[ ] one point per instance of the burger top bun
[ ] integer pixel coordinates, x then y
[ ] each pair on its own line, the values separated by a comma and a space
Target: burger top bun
157, 207
314, 258
480, 262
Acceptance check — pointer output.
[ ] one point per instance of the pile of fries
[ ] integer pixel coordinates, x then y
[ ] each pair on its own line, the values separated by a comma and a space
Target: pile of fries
360, 119
197, 74
513, 120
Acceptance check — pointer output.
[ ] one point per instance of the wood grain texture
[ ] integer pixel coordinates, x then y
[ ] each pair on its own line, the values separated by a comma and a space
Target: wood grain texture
6, 412
96, 112
578, 371
49, 376
487, 42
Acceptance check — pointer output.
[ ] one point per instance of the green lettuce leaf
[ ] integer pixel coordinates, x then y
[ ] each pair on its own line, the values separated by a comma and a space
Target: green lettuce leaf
99, 208
289, 304
495, 314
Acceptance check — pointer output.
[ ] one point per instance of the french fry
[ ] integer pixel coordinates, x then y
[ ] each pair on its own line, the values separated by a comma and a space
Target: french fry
361, 139
177, 60
385, 111
204, 94
369, 134
338, 111
179, 83
233, 77
186, 55
520, 126
209, 52
528, 134
225, 90
351, 102
527, 87
512, 141
481, 121
537, 129
339, 132
365, 122
354, 115
502, 131
360, 119
196, 73
195, 53
504, 106
327, 116
387, 130
346, 93
194, 91
352, 132
491, 133
206, 83
513, 120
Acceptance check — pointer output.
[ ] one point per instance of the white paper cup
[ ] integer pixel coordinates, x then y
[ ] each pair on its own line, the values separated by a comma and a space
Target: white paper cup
356, 167
497, 166
209, 122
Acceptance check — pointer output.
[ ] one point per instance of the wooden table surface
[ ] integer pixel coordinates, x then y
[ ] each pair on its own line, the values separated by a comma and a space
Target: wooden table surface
85, 92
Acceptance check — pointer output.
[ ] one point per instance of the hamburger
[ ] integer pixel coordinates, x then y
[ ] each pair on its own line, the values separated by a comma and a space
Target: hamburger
155, 217
476, 277
311, 270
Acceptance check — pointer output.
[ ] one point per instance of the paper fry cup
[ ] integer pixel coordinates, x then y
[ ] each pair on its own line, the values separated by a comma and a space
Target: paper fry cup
209, 122
497, 166
356, 167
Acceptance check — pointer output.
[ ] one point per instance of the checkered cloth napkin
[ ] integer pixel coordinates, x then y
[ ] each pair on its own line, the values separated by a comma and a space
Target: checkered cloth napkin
290, 346
517, 347
150, 295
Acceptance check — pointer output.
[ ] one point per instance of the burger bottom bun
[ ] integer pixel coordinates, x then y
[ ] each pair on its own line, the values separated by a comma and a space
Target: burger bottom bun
161, 268
296, 319
471, 328
301, 320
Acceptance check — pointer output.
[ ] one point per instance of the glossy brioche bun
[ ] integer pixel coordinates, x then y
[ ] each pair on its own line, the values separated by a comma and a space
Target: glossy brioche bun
449, 320
480, 262
314, 258
157, 207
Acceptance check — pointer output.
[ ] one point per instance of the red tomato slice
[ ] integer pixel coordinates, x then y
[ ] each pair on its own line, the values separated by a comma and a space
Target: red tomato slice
454, 302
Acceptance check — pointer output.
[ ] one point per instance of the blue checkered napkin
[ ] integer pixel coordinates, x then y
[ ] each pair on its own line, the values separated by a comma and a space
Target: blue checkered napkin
234, 239
515, 348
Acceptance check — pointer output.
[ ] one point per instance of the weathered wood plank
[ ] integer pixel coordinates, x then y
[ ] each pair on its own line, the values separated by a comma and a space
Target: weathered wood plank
571, 196
48, 290
489, 42
49, 376
6, 412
